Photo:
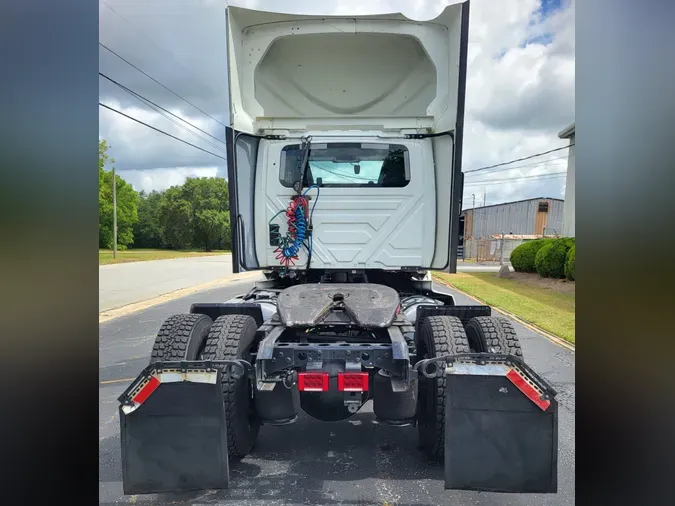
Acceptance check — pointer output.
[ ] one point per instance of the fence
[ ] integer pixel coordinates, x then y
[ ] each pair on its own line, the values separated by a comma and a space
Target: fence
489, 249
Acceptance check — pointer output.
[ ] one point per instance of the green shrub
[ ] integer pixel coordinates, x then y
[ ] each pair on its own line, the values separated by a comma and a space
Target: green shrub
550, 259
570, 263
523, 257
540, 264
569, 241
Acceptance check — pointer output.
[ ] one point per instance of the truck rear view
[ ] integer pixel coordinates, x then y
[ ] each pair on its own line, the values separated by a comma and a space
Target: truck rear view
344, 169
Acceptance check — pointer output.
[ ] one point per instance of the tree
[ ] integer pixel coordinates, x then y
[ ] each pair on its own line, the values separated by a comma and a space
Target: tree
196, 214
211, 227
148, 231
211, 205
127, 200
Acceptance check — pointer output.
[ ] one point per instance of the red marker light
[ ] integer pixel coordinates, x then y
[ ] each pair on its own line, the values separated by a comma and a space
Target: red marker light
313, 381
529, 391
353, 382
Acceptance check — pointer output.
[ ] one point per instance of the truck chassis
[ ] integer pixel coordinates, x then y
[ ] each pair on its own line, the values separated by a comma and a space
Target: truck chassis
455, 372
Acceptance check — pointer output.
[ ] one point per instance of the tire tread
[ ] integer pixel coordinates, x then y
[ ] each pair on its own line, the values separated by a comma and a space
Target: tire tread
173, 338
225, 343
496, 335
449, 338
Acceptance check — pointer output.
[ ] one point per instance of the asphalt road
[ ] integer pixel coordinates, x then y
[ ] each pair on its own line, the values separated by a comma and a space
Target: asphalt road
127, 283
354, 462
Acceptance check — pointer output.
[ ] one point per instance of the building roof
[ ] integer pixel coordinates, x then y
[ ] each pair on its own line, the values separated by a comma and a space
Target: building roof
509, 203
567, 132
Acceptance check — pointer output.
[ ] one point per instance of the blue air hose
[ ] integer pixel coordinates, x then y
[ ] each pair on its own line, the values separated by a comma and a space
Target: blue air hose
300, 226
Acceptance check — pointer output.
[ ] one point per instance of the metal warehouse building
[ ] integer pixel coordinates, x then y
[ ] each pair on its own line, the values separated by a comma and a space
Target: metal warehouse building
519, 221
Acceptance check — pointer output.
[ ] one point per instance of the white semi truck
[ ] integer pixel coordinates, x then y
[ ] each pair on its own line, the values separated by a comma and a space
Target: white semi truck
344, 169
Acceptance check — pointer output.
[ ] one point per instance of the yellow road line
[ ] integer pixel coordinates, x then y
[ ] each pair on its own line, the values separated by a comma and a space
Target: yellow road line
123, 380
551, 337
111, 314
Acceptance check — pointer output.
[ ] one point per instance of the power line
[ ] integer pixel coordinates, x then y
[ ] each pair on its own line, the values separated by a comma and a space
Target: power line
155, 80
160, 131
147, 37
517, 160
543, 163
490, 182
142, 98
551, 175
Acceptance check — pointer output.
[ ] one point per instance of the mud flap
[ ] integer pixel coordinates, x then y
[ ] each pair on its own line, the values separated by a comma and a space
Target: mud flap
501, 427
173, 431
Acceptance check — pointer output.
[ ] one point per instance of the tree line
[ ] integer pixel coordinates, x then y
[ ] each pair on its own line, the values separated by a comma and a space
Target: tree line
194, 215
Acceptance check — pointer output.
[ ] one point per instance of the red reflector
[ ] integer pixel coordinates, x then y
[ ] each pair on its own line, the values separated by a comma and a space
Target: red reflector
353, 382
313, 381
527, 389
145, 392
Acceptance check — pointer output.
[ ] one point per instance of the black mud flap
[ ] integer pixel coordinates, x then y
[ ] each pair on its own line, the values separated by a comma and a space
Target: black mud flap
501, 424
501, 427
173, 432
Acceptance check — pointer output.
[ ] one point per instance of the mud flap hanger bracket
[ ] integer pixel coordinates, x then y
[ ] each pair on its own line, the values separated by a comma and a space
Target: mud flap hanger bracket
482, 364
179, 369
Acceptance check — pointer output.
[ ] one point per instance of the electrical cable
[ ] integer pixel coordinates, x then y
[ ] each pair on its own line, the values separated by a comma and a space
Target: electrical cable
157, 106
160, 131
310, 228
156, 81
140, 30
298, 230
287, 252
518, 159
543, 163
550, 175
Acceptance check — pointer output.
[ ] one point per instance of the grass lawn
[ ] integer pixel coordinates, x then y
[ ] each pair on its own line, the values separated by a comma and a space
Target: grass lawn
105, 256
548, 309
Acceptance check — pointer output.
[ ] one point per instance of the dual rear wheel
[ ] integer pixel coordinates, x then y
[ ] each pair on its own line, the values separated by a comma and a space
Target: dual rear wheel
445, 335
196, 337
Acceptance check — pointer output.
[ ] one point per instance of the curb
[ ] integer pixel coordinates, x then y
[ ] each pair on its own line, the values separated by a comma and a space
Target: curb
551, 337
111, 314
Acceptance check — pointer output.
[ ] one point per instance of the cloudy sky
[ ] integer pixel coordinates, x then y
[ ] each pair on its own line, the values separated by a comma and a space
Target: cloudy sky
520, 87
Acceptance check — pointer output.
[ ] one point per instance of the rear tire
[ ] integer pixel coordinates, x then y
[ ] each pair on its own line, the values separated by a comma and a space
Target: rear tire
181, 337
439, 336
493, 334
230, 338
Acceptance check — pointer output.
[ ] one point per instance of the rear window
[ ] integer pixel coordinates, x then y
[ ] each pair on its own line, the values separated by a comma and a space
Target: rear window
342, 165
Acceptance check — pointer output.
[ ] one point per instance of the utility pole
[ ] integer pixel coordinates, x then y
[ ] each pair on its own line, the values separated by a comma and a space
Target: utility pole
473, 222
485, 221
114, 214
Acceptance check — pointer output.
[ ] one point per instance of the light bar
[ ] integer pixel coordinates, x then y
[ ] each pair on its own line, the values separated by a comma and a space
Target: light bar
353, 382
530, 392
145, 392
313, 381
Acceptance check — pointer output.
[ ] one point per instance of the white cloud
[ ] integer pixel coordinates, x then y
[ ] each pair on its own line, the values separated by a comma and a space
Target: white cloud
519, 94
161, 179
130, 140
